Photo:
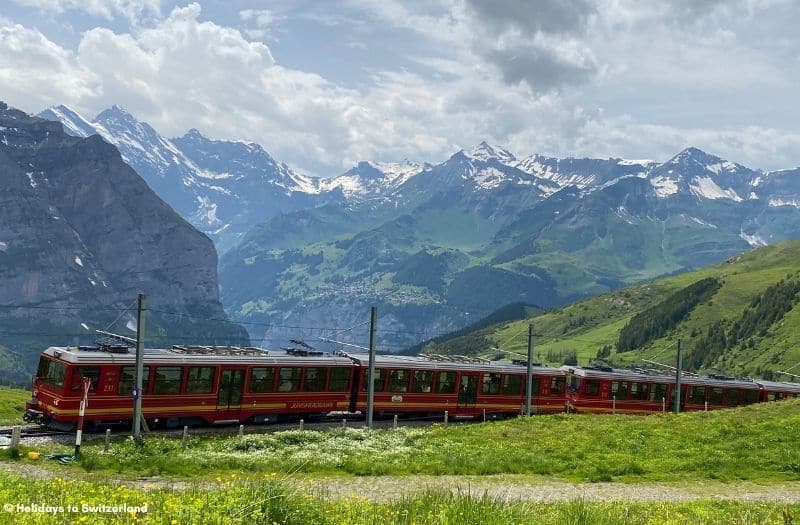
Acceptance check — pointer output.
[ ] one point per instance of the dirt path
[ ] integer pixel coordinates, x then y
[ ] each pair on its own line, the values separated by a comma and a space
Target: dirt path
503, 487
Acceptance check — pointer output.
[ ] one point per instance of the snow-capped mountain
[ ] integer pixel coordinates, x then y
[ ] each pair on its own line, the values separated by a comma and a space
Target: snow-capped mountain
373, 179
224, 188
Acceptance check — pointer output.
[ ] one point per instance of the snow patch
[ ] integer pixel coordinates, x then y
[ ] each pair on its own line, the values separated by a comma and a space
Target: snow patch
3, 246
784, 202
702, 222
131, 325
78, 261
706, 187
664, 187
634, 162
85, 326
30, 178
752, 240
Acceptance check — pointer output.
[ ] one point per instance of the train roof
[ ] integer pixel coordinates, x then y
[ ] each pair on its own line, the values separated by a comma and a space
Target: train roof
232, 355
779, 386
630, 375
98, 355
449, 363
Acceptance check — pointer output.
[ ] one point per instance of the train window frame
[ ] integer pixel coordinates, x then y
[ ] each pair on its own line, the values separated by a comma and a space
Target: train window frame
558, 385
265, 384
694, 398
450, 382
574, 383
124, 381
290, 383
79, 372
490, 383
192, 383
749, 396
591, 387
159, 384
379, 381
619, 390
507, 390
714, 395
422, 381
399, 385
339, 384
655, 388
733, 396
639, 391
319, 384
46, 376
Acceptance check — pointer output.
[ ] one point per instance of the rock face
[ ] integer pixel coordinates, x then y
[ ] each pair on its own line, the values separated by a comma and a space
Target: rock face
81, 234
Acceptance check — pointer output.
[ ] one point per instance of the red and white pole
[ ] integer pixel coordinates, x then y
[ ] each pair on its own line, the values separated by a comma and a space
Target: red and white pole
85, 384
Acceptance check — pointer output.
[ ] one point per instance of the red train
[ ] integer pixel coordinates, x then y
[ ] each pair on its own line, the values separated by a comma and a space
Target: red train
193, 385
605, 389
196, 385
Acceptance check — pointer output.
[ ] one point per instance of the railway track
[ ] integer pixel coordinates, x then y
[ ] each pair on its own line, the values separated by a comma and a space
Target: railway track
330, 423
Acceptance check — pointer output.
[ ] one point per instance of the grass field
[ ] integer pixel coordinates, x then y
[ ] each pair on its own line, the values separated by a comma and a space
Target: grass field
270, 501
757, 443
12, 405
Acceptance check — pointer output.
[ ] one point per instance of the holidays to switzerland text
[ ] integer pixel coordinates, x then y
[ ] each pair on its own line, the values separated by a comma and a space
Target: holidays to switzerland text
43, 508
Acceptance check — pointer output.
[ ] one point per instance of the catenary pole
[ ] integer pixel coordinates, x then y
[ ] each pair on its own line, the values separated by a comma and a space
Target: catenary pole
137, 393
678, 377
529, 377
373, 321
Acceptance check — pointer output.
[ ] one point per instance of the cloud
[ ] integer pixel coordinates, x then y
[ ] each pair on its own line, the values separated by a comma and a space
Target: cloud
35, 72
108, 9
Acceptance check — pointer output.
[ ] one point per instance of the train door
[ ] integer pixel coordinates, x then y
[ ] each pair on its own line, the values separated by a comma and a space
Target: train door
468, 388
229, 397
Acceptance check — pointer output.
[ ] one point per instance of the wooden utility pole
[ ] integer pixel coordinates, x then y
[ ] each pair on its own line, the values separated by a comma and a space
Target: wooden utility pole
678, 377
137, 389
371, 374
529, 377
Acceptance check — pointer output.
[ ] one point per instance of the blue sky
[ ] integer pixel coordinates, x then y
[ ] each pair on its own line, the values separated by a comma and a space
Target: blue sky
324, 84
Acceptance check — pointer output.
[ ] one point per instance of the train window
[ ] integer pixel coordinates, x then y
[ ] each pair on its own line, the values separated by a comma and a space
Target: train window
557, 385
715, 396
398, 381
340, 380
92, 372
126, 380
200, 380
619, 390
423, 380
592, 387
491, 384
774, 396
639, 391
262, 379
574, 383
658, 391
697, 395
378, 382
749, 396
446, 383
289, 379
731, 397
51, 373
167, 380
315, 379
512, 385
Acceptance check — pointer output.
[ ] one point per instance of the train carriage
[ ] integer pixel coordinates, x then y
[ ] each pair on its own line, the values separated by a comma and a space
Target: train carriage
775, 391
461, 386
189, 385
628, 392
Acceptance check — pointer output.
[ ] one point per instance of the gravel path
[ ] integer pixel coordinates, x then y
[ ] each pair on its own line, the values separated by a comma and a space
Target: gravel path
503, 487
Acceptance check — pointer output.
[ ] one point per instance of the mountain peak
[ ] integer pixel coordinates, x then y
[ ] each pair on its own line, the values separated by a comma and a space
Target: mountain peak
692, 154
73, 123
115, 113
485, 151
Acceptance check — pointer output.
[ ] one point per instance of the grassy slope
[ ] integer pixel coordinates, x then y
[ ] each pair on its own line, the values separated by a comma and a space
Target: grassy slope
754, 443
12, 405
587, 325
